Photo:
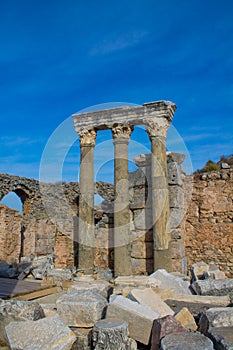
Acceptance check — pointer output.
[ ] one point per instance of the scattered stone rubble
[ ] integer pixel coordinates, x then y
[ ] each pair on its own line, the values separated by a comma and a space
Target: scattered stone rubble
158, 312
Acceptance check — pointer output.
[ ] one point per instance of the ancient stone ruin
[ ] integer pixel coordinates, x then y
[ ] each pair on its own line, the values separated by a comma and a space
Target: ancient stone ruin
147, 268
155, 217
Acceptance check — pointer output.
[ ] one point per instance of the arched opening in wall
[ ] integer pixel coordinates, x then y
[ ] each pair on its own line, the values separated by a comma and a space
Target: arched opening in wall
14, 230
13, 201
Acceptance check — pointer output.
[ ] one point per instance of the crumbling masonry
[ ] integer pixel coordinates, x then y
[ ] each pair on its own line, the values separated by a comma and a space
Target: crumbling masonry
149, 219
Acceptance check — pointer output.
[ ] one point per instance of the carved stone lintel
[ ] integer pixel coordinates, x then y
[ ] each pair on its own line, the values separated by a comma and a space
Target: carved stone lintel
156, 127
121, 132
87, 137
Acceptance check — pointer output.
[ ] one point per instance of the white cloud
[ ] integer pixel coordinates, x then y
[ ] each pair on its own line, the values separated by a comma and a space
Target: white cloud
119, 42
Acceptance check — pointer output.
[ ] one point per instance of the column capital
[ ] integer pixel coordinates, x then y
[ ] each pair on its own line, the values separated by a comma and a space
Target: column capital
156, 128
121, 132
87, 137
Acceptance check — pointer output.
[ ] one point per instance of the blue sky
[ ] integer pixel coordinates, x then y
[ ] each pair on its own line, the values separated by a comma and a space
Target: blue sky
60, 57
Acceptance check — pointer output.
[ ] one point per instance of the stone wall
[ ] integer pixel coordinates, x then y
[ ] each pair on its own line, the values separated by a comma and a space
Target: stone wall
204, 232
209, 220
10, 234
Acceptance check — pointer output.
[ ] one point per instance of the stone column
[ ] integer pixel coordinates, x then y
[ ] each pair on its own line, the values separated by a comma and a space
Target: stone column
157, 131
86, 234
122, 247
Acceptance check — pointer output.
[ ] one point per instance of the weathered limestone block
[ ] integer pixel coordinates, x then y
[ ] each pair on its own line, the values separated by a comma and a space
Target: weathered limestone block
162, 327
142, 250
142, 219
110, 334
196, 303
176, 197
147, 296
174, 174
216, 317
175, 157
215, 273
199, 270
142, 266
222, 337
139, 317
186, 341
137, 198
18, 310
176, 217
45, 334
167, 280
97, 286
187, 320
127, 283
60, 274
82, 308
213, 287
83, 338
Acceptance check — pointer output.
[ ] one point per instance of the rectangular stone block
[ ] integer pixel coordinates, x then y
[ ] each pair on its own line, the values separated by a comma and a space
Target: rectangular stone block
142, 266
148, 297
176, 197
167, 280
162, 327
213, 287
142, 250
216, 317
140, 318
142, 219
174, 174
196, 303
82, 308
185, 317
222, 337
101, 287
45, 334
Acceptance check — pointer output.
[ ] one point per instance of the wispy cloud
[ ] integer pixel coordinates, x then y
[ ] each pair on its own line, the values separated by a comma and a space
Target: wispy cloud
116, 43
10, 141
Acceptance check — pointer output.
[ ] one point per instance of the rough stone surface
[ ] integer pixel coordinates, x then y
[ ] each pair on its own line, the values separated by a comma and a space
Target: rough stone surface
169, 281
187, 320
110, 334
6, 271
186, 341
196, 303
45, 334
216, 317
213, 287
83, 339
199, 270
59, 274
101, 287
139, 317
162, 327
18, 310
148, 297
222, 337
210, 208
209, 220
136, 281
82, 308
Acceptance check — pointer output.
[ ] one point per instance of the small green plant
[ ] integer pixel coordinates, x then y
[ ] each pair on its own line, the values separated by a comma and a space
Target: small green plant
210, 166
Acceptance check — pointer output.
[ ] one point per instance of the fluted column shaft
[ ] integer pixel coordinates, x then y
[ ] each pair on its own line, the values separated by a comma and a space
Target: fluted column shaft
122, 246
86, 201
